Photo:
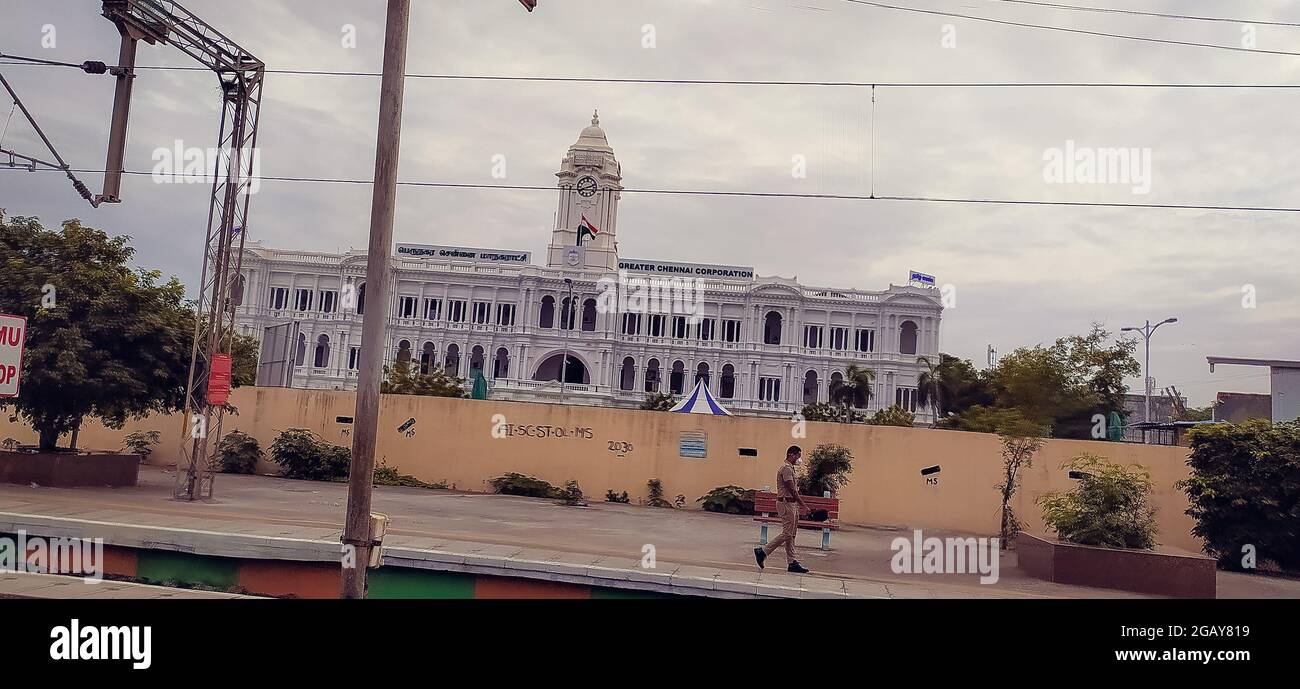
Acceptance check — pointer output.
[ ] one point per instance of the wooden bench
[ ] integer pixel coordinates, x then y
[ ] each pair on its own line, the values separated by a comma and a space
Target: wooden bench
765, 513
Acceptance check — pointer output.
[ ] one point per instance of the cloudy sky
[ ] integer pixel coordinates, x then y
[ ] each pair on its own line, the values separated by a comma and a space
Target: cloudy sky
1022, 274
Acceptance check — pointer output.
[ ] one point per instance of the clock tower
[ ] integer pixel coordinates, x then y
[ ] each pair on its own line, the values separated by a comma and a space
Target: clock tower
590, 184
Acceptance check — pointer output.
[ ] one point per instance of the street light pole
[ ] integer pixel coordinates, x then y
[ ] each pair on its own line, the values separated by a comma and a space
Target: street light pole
1147, 330
356, 531
566, 320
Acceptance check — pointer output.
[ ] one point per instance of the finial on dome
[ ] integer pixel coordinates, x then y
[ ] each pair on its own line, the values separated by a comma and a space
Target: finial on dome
595, 118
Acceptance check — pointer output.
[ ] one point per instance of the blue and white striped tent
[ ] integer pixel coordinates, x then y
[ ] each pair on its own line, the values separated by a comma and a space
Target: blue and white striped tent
700, 401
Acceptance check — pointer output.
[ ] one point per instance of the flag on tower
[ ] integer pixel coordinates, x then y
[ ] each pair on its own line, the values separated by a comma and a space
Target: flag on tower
587, 229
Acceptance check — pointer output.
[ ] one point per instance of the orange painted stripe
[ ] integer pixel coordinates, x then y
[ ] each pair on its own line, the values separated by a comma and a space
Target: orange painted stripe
288, 578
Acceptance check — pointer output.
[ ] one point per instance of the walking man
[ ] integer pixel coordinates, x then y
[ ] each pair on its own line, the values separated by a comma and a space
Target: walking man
787, 497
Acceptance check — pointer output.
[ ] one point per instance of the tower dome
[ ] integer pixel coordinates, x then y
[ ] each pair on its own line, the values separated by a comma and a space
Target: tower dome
593, 136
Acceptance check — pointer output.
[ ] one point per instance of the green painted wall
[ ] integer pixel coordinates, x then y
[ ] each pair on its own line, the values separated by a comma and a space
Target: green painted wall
393, 582
163, 566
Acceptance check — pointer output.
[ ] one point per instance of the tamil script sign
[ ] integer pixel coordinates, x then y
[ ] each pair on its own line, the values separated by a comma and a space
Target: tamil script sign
13, 336
460, 253
917, 279
694, 270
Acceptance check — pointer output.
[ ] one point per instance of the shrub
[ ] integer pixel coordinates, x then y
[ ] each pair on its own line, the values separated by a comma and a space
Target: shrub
141, 442
659, 402
389, 476
528, 486
1244, 489
656, 497
828, 468
837, 413
305, 455
892, 416
611, 496
1108, 507
571, 494
238, 453
729, 500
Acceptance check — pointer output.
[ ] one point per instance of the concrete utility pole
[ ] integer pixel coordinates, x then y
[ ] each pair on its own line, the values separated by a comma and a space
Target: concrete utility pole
356, 531
1146, 331
365, 432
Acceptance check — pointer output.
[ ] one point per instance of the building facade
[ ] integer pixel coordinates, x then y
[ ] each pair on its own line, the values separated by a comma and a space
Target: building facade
626, 327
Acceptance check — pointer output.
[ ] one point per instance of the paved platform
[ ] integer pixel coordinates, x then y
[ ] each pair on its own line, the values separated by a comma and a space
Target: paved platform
32, 585
697, 552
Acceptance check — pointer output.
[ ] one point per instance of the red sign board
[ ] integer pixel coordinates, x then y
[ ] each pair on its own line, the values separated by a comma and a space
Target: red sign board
13, 336
219, 380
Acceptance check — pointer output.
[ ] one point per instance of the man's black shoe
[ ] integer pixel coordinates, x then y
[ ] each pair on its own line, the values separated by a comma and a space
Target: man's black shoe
759, 556
796, 568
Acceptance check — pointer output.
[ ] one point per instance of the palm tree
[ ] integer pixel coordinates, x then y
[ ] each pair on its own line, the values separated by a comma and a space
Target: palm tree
929, 386
855, 389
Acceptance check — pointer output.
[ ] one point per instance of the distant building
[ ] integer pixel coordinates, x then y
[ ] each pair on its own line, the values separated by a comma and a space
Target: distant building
1242, 406
615, 328
1284, 384
1162, 407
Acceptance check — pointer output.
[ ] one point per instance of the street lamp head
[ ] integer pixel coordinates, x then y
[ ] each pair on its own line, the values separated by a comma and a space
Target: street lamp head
568, 281
1126, 330
528, 4
1170, 320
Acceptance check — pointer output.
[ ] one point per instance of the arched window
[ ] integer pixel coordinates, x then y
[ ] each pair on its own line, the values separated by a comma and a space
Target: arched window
589, 315
452, 364
501, 365
546, 319
727, 384
652, 375
907, 338
837, 379
627, 376
322, 357
702, 373
475, 360
301, 355
810, 387
567, 312
404, 352
772, 328
428, 358
677, 379
361, 298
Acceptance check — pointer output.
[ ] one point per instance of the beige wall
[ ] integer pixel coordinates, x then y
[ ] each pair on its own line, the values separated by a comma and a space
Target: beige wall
454, 441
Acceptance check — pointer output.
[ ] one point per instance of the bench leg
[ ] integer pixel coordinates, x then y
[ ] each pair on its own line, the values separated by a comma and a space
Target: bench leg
826, 539
762, 534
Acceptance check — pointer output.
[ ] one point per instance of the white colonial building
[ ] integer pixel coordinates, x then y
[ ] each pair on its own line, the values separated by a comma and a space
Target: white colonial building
763, 344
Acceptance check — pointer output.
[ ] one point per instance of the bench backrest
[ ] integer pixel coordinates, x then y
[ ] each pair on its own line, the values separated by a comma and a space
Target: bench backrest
765, 503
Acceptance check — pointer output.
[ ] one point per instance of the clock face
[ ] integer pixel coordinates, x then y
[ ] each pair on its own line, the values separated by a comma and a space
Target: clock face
587, 187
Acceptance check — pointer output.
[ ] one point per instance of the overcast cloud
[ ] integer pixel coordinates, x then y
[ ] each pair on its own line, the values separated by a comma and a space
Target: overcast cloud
1023, 274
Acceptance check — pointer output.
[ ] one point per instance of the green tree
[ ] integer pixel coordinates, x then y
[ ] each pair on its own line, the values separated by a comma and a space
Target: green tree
855, 389
400, 379
243, 355
103, 340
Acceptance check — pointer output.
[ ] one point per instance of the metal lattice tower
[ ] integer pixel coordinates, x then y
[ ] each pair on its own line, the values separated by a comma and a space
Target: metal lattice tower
220, 287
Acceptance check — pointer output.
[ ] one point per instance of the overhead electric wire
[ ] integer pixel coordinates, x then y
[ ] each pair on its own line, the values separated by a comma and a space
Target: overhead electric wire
1163, 15
1086, 32
753, 194
738, 82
